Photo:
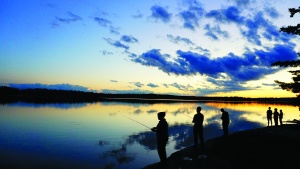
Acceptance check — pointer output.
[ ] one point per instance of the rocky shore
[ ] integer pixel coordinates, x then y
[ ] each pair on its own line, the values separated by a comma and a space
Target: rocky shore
268, 147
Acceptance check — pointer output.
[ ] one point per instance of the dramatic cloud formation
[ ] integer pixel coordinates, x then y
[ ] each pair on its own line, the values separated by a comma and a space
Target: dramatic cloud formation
252, 65
187, 47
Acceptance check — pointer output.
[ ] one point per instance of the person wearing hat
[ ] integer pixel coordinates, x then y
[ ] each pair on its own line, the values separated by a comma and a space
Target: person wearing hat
198, 128
162, 136
225, 121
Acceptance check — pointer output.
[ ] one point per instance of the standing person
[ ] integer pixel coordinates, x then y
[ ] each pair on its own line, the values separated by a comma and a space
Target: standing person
276, 114
225, 121
198, 128
269, 116
162, 136
280, 117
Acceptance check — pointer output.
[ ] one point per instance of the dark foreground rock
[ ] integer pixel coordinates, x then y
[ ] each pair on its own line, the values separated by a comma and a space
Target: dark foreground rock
268, 147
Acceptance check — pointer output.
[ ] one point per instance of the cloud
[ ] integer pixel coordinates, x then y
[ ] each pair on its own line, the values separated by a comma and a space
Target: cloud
114, 30
72, 18
134, 91
201, 50
155, 59
215, 32
254, 27
268, 84
129, 39
138, 15
181, 87
102, 22
107, 24
272, 12
104, 52
192, 16
179, 39
223, 85
226, 15
137, 84
152, 85
113, 81
242, 2
166, 85
117, 43
160, 13
51, 86
252, 65
131, 55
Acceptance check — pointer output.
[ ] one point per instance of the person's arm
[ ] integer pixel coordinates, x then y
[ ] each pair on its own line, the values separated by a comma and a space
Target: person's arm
194, 119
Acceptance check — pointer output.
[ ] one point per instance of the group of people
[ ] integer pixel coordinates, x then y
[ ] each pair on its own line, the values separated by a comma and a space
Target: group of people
162, 134
276, 116
162, 131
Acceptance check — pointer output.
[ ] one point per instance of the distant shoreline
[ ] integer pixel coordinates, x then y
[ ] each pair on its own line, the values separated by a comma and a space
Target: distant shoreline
8, 95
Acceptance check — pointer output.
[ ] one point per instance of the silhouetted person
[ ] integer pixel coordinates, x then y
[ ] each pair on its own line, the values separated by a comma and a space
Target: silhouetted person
276, 114
225, 121
198, 128
162, 136
280, 117
269, 116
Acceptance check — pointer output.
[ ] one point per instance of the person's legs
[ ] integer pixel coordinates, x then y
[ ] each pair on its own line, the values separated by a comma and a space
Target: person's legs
225, 129
201, 141
161, 149
195, 137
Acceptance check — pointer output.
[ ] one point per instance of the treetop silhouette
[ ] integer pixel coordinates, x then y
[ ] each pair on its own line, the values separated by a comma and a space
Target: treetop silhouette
295, 85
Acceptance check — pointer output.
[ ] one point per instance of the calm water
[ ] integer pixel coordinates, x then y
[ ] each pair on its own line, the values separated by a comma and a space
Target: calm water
101, 135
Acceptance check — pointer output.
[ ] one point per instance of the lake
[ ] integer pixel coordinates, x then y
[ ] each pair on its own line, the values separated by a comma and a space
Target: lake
112, 135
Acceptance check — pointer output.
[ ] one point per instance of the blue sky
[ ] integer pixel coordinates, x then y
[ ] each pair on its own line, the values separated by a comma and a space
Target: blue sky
202, 48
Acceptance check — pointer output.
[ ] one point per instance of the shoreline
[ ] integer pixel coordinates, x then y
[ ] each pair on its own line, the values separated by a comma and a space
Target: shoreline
38, 95
265, 147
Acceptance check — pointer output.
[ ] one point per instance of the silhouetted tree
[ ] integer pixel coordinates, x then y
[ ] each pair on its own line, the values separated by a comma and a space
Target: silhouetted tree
295, 85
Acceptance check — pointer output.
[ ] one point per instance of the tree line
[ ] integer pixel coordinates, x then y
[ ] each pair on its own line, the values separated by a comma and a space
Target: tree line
9, 94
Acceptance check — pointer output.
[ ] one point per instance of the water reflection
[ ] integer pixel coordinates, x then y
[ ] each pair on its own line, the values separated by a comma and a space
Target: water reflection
181, 135
97, 134
51, 105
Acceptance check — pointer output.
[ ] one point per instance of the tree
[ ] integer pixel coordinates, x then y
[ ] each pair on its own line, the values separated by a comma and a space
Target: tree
295, 85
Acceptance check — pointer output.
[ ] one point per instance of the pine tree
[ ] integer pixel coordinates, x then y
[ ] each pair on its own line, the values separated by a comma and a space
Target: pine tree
295, 85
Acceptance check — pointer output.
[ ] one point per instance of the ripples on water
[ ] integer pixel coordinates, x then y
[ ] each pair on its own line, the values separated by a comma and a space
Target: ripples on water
98, 135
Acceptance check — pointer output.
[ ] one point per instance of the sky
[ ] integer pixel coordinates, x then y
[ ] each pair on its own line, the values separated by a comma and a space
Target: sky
178, 47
